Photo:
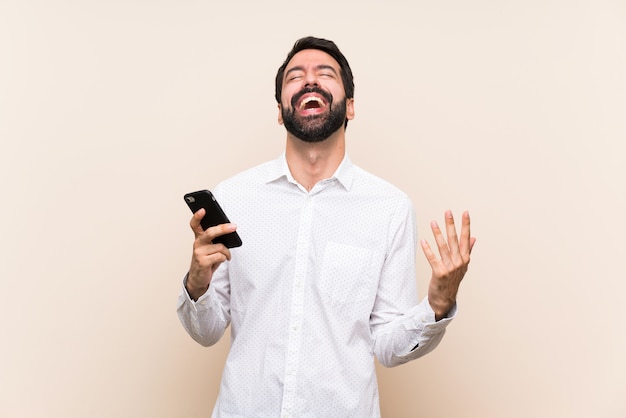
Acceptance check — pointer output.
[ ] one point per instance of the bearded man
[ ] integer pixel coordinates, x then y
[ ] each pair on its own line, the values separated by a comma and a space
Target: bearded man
325, 279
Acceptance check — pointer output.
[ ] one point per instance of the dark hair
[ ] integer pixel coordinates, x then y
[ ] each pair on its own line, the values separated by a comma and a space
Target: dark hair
324, 45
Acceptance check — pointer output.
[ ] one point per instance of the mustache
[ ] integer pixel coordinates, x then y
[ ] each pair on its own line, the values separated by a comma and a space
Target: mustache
296, 97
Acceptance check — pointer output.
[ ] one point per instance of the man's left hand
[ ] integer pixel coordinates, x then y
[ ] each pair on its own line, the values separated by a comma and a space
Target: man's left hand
449, 268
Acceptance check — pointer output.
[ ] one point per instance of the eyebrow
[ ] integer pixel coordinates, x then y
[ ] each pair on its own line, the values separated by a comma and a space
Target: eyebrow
319, 67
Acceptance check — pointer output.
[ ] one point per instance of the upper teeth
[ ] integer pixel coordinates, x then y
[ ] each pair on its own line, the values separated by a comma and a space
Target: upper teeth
310, 99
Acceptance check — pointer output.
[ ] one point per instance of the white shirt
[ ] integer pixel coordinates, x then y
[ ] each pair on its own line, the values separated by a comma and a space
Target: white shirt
324, 281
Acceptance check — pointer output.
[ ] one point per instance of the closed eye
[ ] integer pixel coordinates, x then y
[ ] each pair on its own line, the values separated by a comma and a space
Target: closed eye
295, 73
326, 70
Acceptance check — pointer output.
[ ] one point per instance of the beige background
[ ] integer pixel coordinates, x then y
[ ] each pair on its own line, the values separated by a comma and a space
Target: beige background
111, 110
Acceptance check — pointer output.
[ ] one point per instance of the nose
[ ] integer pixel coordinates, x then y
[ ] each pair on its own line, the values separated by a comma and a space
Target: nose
310, 79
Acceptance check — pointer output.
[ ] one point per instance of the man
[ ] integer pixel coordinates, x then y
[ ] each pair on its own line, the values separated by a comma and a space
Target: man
325, 278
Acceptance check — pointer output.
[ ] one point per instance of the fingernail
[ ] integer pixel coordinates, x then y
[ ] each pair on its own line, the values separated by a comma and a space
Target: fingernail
449, 214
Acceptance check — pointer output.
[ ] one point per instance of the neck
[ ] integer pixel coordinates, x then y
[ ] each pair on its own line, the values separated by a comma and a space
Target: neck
310, 163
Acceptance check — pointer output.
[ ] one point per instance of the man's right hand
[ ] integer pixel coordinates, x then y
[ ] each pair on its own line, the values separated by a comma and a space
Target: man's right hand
207, 256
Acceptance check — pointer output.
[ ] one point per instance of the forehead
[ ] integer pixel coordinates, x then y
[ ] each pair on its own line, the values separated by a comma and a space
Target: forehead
312, 58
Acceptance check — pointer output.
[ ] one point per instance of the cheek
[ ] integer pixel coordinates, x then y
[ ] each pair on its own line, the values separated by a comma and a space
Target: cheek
286, 99
287, 93
338, 91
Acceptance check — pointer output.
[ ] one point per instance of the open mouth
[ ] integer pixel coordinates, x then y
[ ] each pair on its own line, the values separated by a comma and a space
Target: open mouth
311, 102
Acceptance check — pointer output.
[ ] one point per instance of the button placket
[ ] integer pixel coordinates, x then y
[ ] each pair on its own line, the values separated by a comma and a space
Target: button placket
297, 306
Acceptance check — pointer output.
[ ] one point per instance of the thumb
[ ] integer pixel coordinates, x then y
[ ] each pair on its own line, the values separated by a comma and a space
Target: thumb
195, 222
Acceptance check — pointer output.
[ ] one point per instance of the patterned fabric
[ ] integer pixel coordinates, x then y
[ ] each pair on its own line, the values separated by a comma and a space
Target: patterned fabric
324, 281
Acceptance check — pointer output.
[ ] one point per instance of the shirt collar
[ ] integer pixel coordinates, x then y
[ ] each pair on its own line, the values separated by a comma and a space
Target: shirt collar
279, 169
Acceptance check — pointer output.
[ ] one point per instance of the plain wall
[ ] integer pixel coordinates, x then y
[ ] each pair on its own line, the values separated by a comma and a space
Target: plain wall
111, 110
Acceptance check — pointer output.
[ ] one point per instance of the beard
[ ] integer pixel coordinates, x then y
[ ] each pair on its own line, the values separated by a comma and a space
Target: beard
314, 128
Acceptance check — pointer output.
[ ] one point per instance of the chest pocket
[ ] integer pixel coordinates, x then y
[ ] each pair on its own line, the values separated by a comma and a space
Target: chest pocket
346, 274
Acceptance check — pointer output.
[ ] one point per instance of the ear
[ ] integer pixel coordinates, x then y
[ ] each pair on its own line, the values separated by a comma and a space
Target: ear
280, 114
350, 109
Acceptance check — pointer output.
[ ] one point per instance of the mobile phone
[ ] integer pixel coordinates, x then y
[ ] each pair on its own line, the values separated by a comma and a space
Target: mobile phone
214, 215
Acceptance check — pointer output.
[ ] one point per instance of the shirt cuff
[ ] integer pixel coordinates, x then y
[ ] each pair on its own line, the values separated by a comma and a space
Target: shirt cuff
424, 319
202, 302
428, 313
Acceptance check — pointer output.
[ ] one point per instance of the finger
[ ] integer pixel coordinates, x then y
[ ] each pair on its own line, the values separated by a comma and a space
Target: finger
472, 242
465, 242
442, 245
203, 264
453, 240
205, 251
207, 256
206, 238
220, 254
219, 230
195, 222
430, 255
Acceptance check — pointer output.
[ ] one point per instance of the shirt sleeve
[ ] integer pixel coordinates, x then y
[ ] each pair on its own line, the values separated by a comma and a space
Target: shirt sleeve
402, 328
206, 319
